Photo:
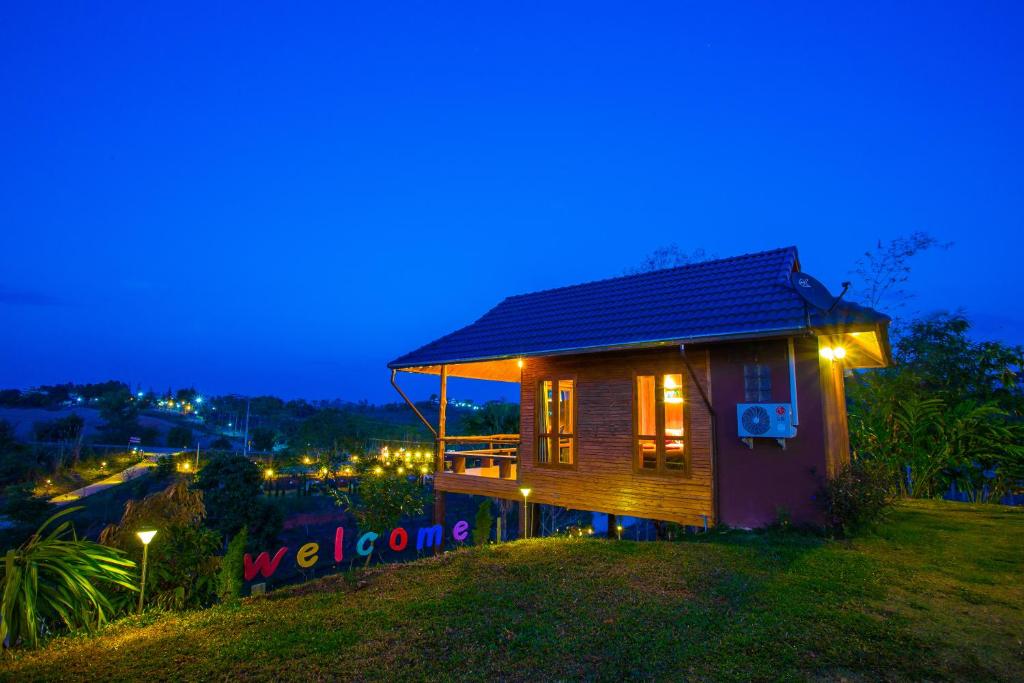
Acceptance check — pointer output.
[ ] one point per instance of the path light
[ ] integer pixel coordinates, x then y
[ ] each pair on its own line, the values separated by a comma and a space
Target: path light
145, 537
526, 512
618, 530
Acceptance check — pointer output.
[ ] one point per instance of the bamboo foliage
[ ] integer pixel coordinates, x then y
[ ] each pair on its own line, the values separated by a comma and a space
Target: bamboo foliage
57, 578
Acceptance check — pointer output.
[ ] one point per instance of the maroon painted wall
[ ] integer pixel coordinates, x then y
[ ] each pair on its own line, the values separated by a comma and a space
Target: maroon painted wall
753, 484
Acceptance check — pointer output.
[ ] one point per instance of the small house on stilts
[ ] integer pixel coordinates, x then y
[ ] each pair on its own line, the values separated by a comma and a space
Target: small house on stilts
709, 394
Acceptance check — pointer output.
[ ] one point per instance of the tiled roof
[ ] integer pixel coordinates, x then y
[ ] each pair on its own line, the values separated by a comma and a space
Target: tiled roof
742, 295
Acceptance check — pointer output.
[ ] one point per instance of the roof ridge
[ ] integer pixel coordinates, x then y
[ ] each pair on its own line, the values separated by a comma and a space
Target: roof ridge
685, 266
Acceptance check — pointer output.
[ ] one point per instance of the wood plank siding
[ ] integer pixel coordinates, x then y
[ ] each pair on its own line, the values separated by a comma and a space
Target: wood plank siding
603, 478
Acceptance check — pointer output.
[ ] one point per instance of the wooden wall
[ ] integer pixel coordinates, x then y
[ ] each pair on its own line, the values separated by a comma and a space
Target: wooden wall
604, 479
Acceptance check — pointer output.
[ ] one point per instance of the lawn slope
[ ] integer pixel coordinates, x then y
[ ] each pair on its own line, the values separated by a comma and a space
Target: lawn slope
936, 594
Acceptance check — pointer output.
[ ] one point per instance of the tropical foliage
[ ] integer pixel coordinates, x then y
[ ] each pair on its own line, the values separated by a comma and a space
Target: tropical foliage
948, 413
56, 578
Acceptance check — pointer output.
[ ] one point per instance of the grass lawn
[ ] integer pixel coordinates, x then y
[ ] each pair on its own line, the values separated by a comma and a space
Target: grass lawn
937, 593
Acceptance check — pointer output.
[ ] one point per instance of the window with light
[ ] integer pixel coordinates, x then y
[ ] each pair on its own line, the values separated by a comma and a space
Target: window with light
556, 422
660, 424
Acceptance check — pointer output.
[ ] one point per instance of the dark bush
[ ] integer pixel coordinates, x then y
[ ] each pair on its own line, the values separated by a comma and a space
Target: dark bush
857, 498
232, 567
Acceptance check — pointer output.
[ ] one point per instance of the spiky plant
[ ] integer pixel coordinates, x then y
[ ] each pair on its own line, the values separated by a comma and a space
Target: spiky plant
57, 578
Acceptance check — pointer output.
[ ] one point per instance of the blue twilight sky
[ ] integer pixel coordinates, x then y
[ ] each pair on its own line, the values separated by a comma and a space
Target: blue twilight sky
257, 198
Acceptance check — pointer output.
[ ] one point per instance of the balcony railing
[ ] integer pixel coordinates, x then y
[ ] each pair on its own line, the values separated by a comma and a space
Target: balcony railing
493, 456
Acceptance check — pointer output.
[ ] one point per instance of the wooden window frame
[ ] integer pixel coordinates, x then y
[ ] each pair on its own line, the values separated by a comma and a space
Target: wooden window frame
659, 424
538, 418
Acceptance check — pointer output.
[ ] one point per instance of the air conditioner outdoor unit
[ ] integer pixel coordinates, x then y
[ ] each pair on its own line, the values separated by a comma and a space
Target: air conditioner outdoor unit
765, 420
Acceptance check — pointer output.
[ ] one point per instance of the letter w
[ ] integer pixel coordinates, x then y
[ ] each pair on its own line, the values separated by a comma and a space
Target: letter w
428, 536
263, 564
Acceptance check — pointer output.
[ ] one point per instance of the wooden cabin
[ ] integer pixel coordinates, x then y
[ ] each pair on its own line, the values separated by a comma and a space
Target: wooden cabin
706, 394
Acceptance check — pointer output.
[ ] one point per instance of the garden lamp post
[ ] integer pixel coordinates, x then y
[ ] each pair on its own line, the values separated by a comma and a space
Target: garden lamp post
145, 537
526, 512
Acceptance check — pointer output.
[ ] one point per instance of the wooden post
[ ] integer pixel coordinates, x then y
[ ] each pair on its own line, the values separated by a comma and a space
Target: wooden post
613, 523
442, 410
442, 418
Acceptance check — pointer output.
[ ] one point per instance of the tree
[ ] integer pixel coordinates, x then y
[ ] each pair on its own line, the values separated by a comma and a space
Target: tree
670, 256
232, 486
16, 463
495, 417
120, 415
879, 275
55, 578
263, 439
179, 436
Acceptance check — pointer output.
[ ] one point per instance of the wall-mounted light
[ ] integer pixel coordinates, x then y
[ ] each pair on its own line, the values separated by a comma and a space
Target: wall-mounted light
833, 353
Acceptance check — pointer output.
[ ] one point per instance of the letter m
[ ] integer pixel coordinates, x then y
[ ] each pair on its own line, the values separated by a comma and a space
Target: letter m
428, 536
263, 564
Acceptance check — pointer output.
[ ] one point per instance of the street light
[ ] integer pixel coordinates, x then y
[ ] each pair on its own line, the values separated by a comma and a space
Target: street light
145, 537
526, 512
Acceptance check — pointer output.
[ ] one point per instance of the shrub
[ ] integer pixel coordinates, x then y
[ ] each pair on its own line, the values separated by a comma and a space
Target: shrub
182, 557
857, 497
232, 485
482, 525
231, 578
57, 578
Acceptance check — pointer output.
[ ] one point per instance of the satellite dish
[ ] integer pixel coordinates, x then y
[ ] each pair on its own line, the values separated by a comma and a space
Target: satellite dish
812, 291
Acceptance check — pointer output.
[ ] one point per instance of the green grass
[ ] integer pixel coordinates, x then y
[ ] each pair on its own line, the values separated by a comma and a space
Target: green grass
935, 594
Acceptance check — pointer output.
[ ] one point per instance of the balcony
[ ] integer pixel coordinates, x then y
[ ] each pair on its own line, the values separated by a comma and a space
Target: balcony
494, 457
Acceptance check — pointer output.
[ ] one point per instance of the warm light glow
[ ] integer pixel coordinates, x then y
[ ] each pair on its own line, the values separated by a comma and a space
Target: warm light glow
354, 458
146, 536
268, 473
423, 470
839, 352
103, 464
619, 527
378, 470
525, 492
826, 352
519, 362
186, 466
401, 470
306, 460
323, 471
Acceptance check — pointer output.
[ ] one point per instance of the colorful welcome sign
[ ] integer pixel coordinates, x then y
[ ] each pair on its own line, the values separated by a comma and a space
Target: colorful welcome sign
309, 554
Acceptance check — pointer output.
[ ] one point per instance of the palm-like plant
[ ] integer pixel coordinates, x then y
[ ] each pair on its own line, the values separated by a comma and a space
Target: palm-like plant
56, 577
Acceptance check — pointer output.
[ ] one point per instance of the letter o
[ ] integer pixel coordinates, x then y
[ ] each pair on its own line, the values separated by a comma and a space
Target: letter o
399, 539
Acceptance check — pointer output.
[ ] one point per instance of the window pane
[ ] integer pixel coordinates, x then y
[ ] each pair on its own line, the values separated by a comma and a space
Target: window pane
566, 397
545, 409
648, 454
544, 450
645, 424
675, 456
757, 383
564, 450
673, 405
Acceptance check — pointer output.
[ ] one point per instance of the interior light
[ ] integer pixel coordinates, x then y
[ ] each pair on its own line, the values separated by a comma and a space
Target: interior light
827, 352
839, 352
519, 362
